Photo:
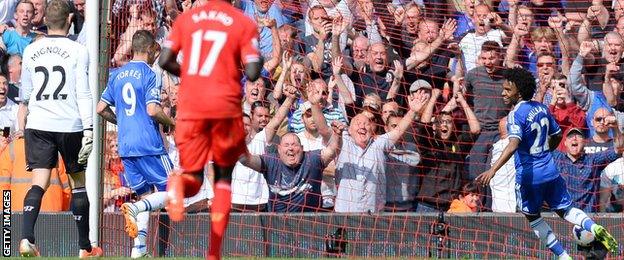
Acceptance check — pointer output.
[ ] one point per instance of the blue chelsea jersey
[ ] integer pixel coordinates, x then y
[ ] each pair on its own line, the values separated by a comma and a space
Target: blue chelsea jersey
130, 89
532, 123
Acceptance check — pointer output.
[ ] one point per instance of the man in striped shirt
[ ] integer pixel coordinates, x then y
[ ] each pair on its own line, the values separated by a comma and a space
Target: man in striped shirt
330, 112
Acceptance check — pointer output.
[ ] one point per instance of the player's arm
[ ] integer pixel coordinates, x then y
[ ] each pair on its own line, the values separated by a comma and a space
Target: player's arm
85, 104
168, 62
507, 153
553, 141
106, 112
251, 161
107, 100
156, 112
83, 91
554, 133
22, 112
25, 91
171, 47
515, 137
152, 100
484, 178
253, 69
249, 51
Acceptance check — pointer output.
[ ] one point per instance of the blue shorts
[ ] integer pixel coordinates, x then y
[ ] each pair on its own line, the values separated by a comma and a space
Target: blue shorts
531, 197
142, 173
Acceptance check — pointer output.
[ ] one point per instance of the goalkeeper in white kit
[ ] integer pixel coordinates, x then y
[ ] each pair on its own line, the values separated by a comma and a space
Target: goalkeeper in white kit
55, 115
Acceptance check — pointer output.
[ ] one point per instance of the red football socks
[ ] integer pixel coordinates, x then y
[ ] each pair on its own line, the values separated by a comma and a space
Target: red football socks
219, 217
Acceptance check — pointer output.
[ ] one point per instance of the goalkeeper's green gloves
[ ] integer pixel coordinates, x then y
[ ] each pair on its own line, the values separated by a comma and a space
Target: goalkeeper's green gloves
87, 146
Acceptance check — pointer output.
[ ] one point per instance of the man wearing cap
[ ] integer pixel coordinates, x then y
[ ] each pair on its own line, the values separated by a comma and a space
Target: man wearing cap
421, 84
330, 112
581, 171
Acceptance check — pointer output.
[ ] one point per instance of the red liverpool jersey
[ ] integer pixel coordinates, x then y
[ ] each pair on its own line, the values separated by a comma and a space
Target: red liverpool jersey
215, 39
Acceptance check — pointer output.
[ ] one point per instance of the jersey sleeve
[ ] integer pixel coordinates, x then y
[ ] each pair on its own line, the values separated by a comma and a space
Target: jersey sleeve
249, 44
26, 87
107, 95
514, 125
152, 90
174, 40
83, 91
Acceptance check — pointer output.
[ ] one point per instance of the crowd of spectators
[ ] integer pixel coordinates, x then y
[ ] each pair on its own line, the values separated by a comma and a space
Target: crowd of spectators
381, 106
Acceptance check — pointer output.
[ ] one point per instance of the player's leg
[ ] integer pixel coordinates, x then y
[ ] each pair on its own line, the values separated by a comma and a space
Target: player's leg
151, 171
193, 141
559, 199
227, 147
155, 169
41, 157
69, 145
530, 199
220, 209
136, 181
32, 205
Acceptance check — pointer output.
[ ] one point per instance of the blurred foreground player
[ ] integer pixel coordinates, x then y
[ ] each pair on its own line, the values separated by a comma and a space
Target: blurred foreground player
134, 91
533, 134
214, 40
56, 113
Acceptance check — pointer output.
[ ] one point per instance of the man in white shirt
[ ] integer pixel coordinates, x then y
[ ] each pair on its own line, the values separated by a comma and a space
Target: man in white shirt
471, 43
503, 183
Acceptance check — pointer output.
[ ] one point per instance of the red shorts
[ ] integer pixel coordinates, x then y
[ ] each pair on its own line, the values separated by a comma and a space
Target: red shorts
202, 140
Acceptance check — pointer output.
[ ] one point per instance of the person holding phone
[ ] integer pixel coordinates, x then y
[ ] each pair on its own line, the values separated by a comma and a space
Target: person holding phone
8, 109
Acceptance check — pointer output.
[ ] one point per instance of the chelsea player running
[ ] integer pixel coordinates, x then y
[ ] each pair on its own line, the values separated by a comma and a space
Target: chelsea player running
134, 91
533, 132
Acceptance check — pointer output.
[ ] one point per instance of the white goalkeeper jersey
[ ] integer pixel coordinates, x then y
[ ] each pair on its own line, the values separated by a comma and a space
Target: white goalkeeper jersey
55, 85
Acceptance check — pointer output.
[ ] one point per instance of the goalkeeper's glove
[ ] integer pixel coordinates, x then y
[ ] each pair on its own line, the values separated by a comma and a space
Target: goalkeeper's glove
87, 146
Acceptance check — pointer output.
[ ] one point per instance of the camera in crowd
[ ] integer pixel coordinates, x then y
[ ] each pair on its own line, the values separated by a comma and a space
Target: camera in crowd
336, 243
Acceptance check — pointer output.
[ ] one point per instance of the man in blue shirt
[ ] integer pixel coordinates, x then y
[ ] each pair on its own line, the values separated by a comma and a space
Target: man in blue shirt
530, 125
16, 39
294, 176
263, 11
134, 90
582, 171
